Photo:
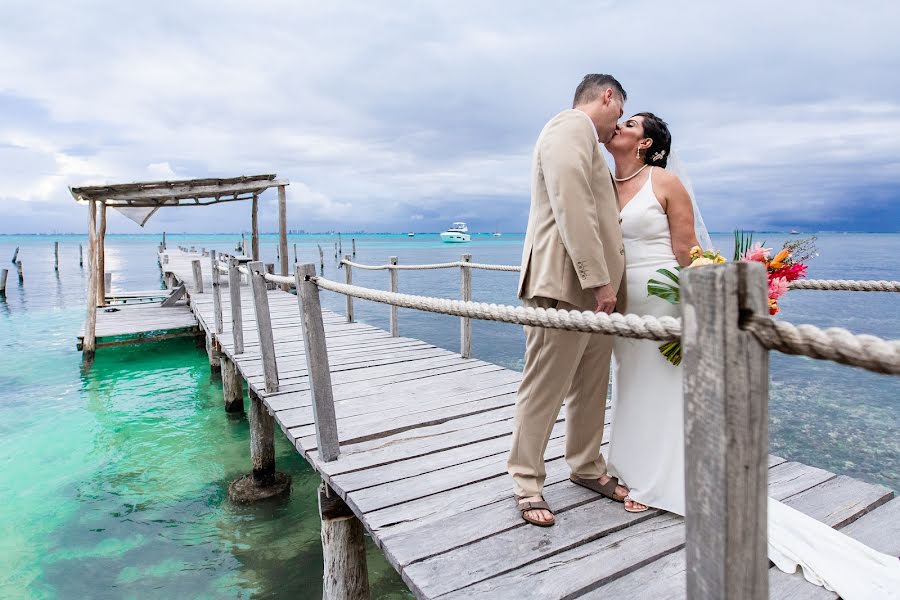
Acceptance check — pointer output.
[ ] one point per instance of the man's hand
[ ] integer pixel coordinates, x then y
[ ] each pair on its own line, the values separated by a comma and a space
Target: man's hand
604, 298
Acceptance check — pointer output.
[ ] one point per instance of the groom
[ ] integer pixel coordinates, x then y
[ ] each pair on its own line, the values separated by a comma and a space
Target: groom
573, 259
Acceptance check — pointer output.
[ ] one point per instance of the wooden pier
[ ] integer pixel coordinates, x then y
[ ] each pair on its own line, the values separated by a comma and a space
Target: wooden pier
424, 435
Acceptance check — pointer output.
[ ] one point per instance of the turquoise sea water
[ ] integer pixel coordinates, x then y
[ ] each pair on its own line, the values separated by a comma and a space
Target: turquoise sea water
113, 480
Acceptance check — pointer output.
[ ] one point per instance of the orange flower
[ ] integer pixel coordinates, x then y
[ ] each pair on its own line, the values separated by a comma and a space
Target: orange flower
773, 306
779, 259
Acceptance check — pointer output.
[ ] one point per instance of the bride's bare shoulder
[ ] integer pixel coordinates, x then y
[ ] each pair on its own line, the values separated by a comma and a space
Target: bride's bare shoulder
666, 180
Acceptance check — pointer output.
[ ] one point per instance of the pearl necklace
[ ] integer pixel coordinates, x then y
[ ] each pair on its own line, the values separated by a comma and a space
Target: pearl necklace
632, 176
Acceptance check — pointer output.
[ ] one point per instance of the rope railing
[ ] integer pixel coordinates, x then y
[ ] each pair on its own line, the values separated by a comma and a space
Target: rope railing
800, 284
839, 345
426, 267
631, 326
848, 285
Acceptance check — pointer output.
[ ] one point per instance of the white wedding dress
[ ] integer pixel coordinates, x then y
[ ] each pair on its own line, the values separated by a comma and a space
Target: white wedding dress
646, 448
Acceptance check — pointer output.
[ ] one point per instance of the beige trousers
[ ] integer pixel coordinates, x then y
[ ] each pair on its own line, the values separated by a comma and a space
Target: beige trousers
560, 366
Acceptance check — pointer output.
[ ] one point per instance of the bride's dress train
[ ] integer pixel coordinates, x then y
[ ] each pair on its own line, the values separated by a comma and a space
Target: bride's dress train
646, 449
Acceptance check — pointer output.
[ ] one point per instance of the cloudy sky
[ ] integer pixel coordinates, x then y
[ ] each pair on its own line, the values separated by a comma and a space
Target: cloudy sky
396, 116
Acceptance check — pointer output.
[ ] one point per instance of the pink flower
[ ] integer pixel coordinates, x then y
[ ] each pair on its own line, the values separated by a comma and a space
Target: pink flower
778, 287
756, 253
792, 271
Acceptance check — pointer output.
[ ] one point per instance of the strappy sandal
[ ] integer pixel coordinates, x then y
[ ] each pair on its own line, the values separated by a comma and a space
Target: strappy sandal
607, 490
524, 507
635, 510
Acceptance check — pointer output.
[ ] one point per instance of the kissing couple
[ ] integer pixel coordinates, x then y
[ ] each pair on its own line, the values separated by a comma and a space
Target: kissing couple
593, 241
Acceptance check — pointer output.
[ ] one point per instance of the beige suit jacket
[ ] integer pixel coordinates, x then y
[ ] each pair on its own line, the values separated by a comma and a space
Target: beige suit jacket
574, 240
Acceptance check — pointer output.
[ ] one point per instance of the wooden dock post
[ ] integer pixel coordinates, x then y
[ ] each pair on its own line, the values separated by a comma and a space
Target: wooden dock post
3, 275
295, 254
465, 294
346, 575
198, 276
234, 296
348, 279
282, 235
232, 387
321, 259
317, 363
80, 256
164, 240
56, 256
19, 271
353, 244
270, 269
264, 481
15, 255
212, 339
264, 325
395, 328
217, 291
726, 375
254, 223
89, 344
101, 256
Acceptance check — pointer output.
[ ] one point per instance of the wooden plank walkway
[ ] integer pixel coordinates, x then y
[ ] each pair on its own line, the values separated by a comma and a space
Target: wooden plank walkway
142, 322
424, 436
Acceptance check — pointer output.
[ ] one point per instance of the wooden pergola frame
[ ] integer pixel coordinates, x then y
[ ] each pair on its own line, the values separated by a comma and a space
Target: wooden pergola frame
176, 194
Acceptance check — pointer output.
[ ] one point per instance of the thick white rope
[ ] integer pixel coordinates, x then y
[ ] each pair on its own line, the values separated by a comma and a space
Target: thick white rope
845, 285
632, 326
426, 267
282, 279
835, 344
800, 284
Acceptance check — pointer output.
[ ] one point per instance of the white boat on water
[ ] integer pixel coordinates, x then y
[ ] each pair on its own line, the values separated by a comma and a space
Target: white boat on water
458, 232
410, 234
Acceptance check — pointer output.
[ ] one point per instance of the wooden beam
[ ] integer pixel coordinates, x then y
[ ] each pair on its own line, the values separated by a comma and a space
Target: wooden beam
254, 222
346, 576
234, 295
394, 274
128, 195
89, 346
101, 257
317, 362
198, 275
465, 294
217, 291
282, 234
726, 374
264, 324
348, 279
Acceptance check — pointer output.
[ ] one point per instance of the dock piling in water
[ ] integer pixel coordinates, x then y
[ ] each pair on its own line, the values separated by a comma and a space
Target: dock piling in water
19, 271
15, 255
198, 276
80, 256
346, 575
56, 256
3, 274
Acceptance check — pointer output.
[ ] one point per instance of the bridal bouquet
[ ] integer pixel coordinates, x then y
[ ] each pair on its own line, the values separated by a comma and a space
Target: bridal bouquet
786, 266
782, 268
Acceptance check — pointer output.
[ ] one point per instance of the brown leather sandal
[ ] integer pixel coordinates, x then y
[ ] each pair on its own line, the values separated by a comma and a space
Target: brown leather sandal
607, 490
524, 507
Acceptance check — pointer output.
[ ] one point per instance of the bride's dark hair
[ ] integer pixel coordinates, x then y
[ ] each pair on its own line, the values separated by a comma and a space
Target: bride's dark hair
657, 130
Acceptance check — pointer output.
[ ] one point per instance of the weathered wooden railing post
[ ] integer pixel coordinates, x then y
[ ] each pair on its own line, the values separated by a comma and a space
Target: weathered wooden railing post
198, 276
348, 279
232, 387
345, 575
89, 345
726, 374
321, 258
264, 481
212, 339
234, 296
56, 256
15, 255
395, 328
164, 240
20, 272
295, 254
80, 255
465, 294
3, 275
270, 269
353, 244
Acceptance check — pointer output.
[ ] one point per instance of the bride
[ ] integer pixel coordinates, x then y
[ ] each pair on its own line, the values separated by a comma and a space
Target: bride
660, 224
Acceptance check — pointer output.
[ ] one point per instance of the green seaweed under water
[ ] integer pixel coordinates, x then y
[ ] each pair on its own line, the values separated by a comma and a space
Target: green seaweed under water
118, 488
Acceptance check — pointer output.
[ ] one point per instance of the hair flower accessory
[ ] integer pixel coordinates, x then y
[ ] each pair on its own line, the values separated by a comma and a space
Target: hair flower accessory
658, 156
